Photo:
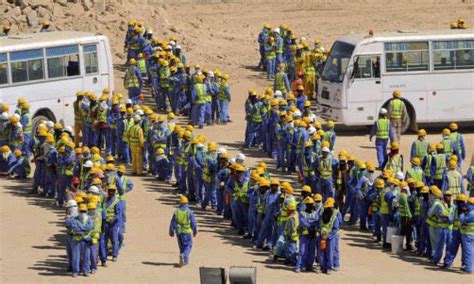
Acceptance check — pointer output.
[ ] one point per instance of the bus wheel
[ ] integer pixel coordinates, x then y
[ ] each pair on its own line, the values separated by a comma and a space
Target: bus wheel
41, 116
409, 122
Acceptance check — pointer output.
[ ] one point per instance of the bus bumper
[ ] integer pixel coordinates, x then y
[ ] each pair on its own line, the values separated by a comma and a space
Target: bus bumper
329, 113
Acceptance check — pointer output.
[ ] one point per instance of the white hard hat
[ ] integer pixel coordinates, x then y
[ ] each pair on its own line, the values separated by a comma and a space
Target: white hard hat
129, 102
71, 203
88, 164
178, 47
221, 150
140, 112
16, 115
277, 30
278, 94
297, 113
149, 31
68, 129
232, 160
94, 189
311, 130
210, 74
19, 126
172, 43
49, 124
383, 111
5, 115
158, 48
325, 149
137, 117
302, 38
399, 176
200, 145
240, 157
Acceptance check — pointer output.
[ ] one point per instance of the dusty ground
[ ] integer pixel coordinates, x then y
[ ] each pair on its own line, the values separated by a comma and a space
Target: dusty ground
223, 35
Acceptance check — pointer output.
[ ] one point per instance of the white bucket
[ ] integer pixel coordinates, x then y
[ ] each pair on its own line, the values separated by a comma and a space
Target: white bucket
390, 232
397, 244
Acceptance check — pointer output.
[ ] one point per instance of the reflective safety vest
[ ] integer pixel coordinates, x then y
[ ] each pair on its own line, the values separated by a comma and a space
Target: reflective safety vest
135, 134
417, 207
383, 128
326, 228
306, 215
280, 82
124, 185
161, 136
68, 170
141, 65
467, 228
291, 227
394, 163
128, 123
110, 210
404, 208
256, 116
222, 94
396, 108
308, 167
376, 203
269, 54
164, 74
448, 146
85, 234
416, 174
79, 112
434, 220
207, 174
240, 192
183, 222
384, 208
181, 158
325, 168
131, 79
421, 149
299, 143
454, 182
447, 211
427, 169
96, 228
455, 137
102, 115
200, 93
470, 186
27, 128
440, 160
328, 135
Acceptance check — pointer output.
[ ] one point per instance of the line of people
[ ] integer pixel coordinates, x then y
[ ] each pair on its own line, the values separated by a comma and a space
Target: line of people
203, 94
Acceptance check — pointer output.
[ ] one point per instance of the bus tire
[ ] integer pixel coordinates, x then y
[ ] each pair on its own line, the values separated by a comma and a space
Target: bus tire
42, 114
409, 123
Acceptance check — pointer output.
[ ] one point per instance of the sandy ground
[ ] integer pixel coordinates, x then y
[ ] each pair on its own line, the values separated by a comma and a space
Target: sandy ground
32, 230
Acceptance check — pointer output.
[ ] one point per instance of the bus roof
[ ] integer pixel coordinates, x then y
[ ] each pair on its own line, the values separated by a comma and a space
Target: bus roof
408, 35
38, 40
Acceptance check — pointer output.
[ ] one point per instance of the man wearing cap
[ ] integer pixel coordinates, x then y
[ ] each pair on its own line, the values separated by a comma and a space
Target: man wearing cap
290, 234
394, 159
365, 185
331, 221
21, 168
241, 186
459, 140
324, 167
136, 140
209, 176
467, 235
382, 130
397, 111
184, 226
454, 180
420, 147
133, 80
254, 113
439, 166
308, 223
112, 215
440, 217
73, 238
460, 206
270, 209
124, 185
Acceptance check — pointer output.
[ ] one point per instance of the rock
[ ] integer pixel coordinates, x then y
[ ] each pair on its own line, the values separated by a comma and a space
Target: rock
31, 16
61, 2
173, 29
87, 4
43, 13
99, 6
41, 3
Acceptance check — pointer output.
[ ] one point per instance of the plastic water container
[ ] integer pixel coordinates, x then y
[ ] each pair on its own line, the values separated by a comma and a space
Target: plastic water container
397, 244
390, 232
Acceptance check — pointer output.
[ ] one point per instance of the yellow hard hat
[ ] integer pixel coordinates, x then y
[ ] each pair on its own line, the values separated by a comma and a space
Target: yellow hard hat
78, 199
307, 104
91, 205
212, 146
160, 151
306, 188
410, 180
448, 193
112, 186
275, 181
419, 184
17, 153
461, 197
291, 206
183, 200
395, 146
436, 191
187, 134
318, 197
82, 207
263, 182
370, 167
380, 183
330, 124
189, 127
95, 150
452, 165
471, 200
308, 200
446, 132
171, 115
110, 167
132, 61
290, 97
439, 146
45, 23
425, 189
121, 168
396, 93
421, 132
308, 144
96, 181
329, 203
416, 161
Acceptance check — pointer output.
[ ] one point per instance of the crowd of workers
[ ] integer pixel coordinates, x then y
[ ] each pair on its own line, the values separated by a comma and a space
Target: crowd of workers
429, 204
202, 94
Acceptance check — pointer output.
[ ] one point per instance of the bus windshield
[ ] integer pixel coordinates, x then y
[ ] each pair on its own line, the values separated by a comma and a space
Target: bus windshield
337, 62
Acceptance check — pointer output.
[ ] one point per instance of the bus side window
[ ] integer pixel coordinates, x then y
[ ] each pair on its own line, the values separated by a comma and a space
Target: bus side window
453, 55
63, 61
367, 67
90, 59
3, 69
27, 65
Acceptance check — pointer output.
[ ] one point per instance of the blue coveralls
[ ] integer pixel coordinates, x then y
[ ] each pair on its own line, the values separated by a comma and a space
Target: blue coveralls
252, 196
210, 165
270, 208
112, 226
307, 250
381, 144
7, 160
329, 259
198, 170
467, 237
21, 168
185, 240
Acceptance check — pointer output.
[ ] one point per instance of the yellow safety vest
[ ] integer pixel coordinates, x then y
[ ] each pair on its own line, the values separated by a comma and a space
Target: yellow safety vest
200, 93
440, 160
396, 108
383, 128
110, 210
183, 221
325, 168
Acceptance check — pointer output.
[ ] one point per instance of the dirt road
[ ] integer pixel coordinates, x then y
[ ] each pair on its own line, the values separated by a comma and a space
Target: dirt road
32, 230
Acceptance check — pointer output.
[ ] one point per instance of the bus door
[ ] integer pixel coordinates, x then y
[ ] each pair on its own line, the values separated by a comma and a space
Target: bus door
92, 81
364, 89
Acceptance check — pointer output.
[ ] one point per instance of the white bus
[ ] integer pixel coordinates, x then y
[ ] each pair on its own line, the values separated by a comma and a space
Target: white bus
47, 69
433, 70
